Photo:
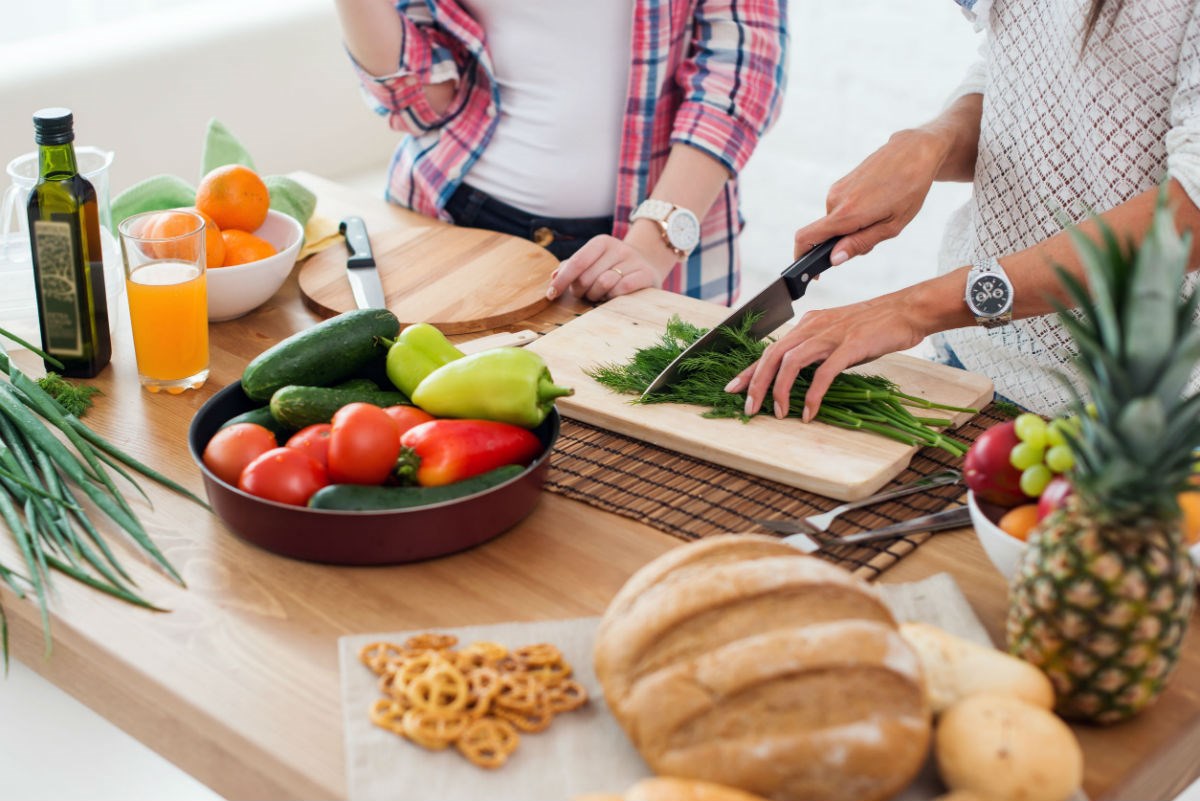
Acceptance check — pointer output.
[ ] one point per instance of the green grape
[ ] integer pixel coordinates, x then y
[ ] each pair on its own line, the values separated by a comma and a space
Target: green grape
1035, 479
1025, 455
1056, 432
1031, 429
1060, 459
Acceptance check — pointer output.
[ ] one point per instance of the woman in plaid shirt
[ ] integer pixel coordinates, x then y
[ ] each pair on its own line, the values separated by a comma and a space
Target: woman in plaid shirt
556, 120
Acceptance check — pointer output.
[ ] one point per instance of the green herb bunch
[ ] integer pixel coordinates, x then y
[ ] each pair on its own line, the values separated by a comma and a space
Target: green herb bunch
48, 458
868, 403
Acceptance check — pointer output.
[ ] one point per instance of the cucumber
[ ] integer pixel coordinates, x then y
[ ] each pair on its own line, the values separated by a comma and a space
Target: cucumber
322, 355
359, 498
299, 406
262, 416
358, 383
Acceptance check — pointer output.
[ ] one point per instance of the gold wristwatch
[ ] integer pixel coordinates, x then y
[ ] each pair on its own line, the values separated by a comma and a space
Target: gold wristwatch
680, 228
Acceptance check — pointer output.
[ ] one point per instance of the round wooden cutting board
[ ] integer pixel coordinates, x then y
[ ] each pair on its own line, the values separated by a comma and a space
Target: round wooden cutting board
459, 279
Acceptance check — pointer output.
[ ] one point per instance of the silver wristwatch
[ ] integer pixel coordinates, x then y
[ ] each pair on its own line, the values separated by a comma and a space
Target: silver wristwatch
679, 227
989, 294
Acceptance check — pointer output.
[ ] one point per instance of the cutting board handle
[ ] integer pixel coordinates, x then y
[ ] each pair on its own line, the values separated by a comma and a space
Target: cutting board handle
807, 267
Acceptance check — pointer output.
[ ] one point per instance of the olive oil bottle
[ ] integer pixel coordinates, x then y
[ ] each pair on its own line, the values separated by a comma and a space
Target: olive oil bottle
68, 266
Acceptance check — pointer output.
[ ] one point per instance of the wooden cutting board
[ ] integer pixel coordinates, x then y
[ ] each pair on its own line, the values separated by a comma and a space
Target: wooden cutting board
830, 461
459, 279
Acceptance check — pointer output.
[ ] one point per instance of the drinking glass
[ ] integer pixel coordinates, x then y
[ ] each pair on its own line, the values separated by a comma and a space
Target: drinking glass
168, 304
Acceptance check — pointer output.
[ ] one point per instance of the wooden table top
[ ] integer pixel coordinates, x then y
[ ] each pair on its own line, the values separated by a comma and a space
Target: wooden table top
238, 684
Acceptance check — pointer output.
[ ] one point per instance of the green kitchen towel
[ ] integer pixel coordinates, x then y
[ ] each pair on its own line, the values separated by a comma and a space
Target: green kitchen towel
220, 148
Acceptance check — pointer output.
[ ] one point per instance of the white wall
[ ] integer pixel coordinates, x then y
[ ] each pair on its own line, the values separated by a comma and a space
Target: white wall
145, 85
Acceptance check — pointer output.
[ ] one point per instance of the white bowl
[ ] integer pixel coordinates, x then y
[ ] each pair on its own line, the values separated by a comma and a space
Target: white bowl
237, 290
1003, 548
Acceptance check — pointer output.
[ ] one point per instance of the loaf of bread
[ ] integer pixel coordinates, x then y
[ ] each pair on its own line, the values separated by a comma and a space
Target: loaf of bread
740, 661
956, 668
1006, 749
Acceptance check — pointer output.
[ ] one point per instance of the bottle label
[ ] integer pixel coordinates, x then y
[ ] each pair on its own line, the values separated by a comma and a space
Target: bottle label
59, 287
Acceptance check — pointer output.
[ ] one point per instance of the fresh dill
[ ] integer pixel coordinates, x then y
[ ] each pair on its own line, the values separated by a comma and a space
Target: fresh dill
870, 403
75, 399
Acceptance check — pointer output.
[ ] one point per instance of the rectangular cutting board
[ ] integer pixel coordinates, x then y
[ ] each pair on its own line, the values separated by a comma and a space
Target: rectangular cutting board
830, 461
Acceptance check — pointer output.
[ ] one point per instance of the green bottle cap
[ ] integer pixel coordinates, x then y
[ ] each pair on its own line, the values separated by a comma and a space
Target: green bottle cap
53, 126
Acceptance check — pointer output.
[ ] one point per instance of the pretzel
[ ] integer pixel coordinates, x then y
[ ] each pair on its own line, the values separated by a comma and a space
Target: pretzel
565, 696
440, 689
386, 714
485, 651
538, 655
431, 641
377, 655
519, 692
527, 720
552, 674
488, 742
482, 685
433, 731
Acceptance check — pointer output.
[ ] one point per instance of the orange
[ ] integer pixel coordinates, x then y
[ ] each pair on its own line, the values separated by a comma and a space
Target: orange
168, 225
242, 248
234, 197
1019, 520
1189, 502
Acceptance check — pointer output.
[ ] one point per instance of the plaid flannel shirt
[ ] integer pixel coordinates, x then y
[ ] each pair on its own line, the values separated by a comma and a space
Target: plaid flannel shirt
707, 73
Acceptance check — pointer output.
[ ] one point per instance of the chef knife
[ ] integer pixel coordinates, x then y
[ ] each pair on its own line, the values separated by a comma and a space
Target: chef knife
360, 266
774, 304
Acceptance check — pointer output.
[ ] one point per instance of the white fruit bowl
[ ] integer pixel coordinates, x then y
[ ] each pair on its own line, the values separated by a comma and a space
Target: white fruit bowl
237, 290
1003, 548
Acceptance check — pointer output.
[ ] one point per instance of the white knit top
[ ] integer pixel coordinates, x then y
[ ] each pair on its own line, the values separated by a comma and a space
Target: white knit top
1065, 134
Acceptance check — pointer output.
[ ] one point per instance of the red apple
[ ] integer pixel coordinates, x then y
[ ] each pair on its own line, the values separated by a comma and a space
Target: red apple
1053, 496
987, 471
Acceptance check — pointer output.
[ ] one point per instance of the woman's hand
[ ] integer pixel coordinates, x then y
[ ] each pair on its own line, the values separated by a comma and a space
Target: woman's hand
879, 197
604, 268
841, 337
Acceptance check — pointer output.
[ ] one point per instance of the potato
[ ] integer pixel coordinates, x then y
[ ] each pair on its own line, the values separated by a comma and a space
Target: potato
956, 668
1006, 749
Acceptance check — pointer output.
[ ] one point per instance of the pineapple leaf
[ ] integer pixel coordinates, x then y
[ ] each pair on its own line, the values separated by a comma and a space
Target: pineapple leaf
1149, 318
1103, 279
1142, 421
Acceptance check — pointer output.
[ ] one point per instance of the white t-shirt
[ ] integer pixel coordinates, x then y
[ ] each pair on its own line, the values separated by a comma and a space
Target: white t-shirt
563, 68
1061, 134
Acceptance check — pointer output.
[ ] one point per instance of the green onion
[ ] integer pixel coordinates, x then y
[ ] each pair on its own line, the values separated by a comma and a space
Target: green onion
854, 401
46, 454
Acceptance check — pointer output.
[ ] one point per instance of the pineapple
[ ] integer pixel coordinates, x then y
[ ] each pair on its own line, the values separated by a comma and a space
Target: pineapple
1103, 594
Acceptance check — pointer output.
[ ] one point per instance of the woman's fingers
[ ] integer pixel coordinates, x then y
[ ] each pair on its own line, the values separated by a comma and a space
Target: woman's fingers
576, 265
603, 268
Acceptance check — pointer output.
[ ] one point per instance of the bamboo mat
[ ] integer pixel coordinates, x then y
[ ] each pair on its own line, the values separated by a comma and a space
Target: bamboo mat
692, 499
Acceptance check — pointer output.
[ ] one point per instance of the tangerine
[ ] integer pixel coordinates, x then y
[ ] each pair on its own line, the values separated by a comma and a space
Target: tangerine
1019, 520
242, 247
234, 197
1189, 504
169, 225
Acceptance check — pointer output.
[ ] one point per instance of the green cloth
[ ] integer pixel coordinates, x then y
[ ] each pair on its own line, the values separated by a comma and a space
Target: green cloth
220, 148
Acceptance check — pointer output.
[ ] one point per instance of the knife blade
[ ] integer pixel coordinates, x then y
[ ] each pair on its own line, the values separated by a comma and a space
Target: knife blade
955, 517
361, 270
774, 304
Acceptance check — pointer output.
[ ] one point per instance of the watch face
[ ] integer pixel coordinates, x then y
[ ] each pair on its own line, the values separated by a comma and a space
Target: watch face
683, 229
990, 296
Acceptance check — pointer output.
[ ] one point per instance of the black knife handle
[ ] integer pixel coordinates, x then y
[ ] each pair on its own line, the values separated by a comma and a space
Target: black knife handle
807, 267
355, 231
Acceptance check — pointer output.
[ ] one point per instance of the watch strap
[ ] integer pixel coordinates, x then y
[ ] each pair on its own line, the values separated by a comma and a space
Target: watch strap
653, 209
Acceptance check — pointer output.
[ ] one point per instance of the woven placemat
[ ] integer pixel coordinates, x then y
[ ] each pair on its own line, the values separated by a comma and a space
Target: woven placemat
691, 499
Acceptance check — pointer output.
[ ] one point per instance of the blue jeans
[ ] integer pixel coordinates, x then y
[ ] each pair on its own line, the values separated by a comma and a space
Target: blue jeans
562, 236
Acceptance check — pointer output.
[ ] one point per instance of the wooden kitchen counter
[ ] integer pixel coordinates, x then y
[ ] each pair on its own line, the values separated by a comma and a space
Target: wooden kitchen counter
238, 684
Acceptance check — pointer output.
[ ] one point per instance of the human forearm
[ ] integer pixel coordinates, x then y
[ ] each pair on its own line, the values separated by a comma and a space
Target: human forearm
1036, 286
692, 180
371, 34
956, 132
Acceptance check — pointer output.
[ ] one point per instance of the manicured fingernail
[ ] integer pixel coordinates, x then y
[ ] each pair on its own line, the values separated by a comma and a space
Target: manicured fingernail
749, 408
730, 386
778, 410
551, 293
807, 416
838, 257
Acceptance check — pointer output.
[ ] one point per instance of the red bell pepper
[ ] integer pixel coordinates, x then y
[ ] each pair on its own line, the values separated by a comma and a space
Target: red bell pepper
444, 451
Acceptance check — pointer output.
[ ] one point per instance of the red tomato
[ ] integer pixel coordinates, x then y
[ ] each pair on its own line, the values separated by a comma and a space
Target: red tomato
313, 440
406, 417
363, 445
234, 447
287, 475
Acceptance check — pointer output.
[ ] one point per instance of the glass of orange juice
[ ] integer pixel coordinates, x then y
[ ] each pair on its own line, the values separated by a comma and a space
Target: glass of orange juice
168, 305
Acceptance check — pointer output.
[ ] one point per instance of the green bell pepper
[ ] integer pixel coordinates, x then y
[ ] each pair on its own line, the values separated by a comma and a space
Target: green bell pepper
419, 350
511, 385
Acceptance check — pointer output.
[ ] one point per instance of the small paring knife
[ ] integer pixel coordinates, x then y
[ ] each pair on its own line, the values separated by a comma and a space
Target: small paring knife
361, 270
956, 517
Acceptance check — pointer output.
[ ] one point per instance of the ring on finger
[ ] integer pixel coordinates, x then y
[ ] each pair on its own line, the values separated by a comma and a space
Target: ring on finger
617, 270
